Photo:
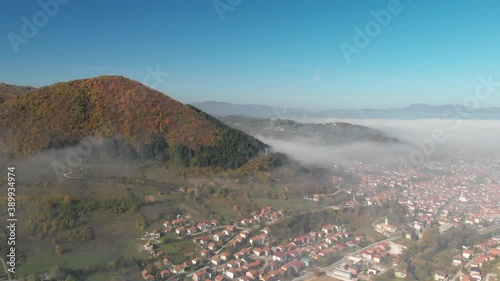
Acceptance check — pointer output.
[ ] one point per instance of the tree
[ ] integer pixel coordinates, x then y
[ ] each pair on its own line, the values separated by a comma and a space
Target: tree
317, 272
58, 249
56, 272
70, 278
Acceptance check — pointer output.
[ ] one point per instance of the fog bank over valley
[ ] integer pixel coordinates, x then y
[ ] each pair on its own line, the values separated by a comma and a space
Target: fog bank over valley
429, 137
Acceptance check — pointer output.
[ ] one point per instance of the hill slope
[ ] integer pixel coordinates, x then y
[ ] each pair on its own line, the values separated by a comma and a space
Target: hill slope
8, 91
109, 106
332, 133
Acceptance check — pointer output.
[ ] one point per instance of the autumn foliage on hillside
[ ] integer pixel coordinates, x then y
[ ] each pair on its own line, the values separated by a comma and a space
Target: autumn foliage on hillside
110, 106
8, 91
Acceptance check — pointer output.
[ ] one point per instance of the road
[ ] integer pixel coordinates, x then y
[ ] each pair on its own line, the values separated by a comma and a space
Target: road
5, 268
444, 208
489, 228
68, 176
311, 275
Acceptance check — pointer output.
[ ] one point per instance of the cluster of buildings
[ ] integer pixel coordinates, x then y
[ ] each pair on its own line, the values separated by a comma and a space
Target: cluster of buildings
475, 258
255, 259
450, 192
248, 254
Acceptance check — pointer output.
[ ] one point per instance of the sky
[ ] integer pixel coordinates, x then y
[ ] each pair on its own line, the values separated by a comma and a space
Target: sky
284, 53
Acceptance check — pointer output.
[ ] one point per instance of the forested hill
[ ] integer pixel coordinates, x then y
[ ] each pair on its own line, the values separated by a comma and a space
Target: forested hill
8, 91
332, 133
152, 124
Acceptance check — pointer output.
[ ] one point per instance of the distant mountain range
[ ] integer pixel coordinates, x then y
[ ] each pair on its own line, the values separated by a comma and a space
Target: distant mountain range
414, 111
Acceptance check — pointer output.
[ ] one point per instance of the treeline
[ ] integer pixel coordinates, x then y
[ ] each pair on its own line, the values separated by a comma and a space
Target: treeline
59, 218
113, 269
232, 150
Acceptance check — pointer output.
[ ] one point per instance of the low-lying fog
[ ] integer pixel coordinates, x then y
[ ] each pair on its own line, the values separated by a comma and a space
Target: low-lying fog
420, 139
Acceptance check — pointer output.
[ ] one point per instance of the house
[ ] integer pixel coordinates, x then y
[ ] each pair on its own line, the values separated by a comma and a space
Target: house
340, 272
219, 236
245, 252
258, 240
215, 260
327, 229
202, 226
166, 262
180, 230
232, 273
148, 246
165, 274
266, 230
440, 276
280, 257
253, 274
245, 234
154, 234
200, 275
464, 277
400, 273
225, 256
204, 253
215, 223
457, 260
179, 269
179, 221
147, 276
367, 255
297, 266
219, 278
354, 269
467, 254
258, 251
212, 246
192, 230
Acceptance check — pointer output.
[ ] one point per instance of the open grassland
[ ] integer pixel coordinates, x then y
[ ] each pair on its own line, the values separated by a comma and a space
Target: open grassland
222, 208
362, 225
178, 252
115, 236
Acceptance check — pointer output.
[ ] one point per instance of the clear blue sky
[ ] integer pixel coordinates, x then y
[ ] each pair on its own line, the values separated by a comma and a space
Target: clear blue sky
280, 53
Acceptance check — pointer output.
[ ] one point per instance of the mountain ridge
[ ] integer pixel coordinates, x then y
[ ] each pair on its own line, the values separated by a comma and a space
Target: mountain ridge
412, 111
335, 133
8, 91
64, 113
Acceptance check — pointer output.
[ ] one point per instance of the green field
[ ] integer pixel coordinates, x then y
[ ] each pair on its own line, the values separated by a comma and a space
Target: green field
220, 207
177, 252
115, 236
